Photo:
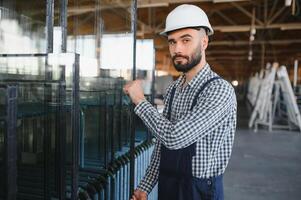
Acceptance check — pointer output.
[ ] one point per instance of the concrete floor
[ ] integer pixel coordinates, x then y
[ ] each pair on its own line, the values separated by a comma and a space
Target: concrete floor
264, 165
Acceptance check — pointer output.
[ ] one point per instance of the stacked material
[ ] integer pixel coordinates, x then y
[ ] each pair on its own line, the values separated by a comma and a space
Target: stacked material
275, 105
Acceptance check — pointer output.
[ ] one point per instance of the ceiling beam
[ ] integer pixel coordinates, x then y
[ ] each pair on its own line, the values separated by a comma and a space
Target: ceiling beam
256, 42
245, 52
241, 58
164, 3
246, 28
227, 19
244, 43
275, 2
246, 12
276, 15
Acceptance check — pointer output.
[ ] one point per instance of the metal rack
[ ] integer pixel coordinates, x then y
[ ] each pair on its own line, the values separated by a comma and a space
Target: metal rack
72, 140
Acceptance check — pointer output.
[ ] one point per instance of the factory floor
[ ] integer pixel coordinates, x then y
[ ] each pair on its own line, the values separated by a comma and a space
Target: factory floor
264, 165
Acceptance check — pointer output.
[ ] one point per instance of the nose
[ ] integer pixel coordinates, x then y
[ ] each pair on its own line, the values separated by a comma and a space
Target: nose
178, 49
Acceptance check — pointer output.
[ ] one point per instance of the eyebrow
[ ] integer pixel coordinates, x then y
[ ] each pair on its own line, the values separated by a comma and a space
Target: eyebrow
186, 35
182, 36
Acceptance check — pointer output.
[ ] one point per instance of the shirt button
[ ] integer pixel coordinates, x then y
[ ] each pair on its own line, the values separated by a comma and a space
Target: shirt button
209, 182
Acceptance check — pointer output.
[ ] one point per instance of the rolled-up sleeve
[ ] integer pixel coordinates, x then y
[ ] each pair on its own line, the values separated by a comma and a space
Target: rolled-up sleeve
211, 109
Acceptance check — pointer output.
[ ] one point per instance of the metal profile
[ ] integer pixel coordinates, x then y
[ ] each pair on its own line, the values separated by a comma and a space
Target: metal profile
49, 25
10, 143
47, 128
132, 137
60, 137
75, 128
63, 19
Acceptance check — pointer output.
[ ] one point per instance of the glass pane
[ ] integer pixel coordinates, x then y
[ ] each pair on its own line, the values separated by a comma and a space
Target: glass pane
2, 131
44, 120
47, 126
22, 26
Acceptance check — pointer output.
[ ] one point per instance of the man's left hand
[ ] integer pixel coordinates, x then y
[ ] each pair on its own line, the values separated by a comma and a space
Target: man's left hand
135, 91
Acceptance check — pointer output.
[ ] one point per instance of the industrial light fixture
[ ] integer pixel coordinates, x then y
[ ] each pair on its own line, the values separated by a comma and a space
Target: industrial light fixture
250, 58
288, 2
252, 35
235, 83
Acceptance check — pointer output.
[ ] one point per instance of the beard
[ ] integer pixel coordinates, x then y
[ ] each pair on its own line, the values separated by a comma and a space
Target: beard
193, 61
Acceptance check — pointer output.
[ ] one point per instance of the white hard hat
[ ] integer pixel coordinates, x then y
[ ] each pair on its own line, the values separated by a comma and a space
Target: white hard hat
185, 16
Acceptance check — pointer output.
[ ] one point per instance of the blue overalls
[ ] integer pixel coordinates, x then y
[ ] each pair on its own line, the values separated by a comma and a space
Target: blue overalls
175, 173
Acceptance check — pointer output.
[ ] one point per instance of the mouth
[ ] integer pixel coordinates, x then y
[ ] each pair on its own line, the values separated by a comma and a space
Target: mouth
179, 59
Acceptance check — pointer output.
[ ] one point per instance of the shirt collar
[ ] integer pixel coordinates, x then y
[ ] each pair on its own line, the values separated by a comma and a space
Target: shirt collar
200, 76
197, 79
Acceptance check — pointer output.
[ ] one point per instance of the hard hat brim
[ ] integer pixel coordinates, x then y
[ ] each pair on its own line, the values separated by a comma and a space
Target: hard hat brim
165, 32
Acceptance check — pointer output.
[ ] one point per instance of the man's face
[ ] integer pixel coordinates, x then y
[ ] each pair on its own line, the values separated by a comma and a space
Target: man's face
185, 48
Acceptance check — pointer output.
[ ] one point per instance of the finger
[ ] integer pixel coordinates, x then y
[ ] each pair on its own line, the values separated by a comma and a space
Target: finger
125, 86
125, 90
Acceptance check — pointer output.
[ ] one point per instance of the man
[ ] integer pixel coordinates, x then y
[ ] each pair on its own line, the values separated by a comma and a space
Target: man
195, 133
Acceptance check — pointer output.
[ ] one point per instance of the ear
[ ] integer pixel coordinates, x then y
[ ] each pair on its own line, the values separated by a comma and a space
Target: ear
205, 41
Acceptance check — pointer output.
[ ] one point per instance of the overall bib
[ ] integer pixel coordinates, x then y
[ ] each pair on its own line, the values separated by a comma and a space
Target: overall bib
175, 173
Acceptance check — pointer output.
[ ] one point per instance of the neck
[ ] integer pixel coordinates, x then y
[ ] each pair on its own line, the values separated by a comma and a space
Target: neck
193, 72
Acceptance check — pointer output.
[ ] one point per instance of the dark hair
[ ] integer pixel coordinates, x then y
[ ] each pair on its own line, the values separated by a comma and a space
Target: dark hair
202, 27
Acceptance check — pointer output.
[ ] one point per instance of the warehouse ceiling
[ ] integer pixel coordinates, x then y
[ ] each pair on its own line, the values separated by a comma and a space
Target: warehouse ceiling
231, 53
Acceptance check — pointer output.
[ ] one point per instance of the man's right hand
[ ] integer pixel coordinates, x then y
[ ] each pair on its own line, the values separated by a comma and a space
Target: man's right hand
139, 195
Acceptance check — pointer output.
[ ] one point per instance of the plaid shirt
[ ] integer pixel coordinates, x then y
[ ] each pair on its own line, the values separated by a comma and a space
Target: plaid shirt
211, 124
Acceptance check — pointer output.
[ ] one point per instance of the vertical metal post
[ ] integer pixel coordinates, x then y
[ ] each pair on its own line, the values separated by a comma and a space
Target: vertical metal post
49, 25
82, 140
98, 29
63, 19
106, 131
10, 144
134, 31
101, 127
47, 129
262, 55
153, 79
112, 127
149, 135
60, 137
132, 137
75, 25
75, 128
265, 11
120, 114
47, 97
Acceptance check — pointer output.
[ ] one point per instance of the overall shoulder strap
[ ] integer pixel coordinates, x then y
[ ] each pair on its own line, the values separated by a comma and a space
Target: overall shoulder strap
201, 89
195, 97
173, 91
